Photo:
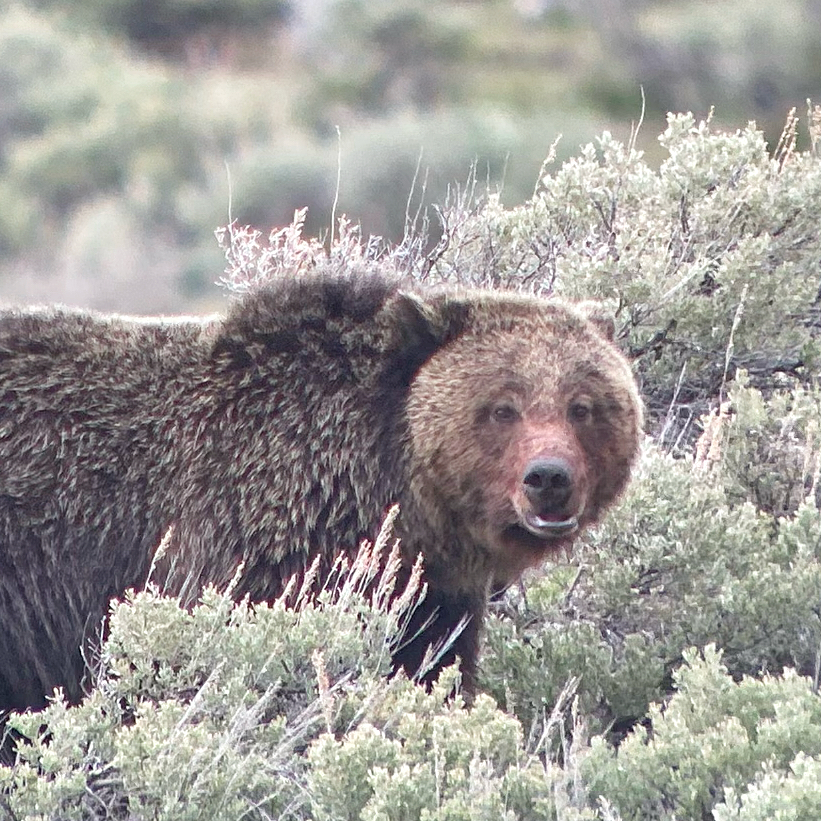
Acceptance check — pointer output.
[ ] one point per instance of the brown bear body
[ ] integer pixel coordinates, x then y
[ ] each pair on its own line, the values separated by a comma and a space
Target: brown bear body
501, 424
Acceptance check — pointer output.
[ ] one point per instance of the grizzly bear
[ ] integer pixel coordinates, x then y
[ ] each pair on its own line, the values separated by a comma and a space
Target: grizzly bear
501, 424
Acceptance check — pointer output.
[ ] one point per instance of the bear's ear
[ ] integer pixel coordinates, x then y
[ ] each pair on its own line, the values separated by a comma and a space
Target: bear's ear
423, 325
599, 316
433, 319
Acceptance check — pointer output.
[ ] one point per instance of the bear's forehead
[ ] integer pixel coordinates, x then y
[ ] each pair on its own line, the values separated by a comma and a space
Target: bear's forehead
509, 313
543, 362
539, 340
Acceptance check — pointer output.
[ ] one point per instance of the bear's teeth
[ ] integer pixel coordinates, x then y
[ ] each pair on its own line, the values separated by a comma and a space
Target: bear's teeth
548, 527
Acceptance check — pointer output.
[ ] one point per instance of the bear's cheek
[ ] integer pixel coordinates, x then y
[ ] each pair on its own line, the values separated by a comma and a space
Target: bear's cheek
610, 451
463, 478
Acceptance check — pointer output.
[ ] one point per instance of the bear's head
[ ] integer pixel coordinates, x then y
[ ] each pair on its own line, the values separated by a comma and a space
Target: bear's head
524, 425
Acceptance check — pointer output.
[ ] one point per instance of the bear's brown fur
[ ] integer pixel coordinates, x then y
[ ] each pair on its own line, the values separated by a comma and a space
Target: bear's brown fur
502, 424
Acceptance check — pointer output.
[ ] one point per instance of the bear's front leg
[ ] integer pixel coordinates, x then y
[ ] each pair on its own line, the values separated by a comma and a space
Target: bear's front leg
442, 628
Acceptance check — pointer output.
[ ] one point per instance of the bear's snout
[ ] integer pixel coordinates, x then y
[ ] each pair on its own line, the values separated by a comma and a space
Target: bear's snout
548, 485
552, 496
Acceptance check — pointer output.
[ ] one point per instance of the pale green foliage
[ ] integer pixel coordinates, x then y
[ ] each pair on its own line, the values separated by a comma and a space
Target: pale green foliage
198, 712
794, 795
205, 711
713, 735
435, 763
228, 712
771, 453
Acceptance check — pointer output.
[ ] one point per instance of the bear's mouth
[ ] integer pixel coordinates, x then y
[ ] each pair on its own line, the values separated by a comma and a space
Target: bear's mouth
549, 528
537, 534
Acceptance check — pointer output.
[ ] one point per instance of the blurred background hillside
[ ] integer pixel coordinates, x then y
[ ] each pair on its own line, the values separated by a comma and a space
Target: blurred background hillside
131, 129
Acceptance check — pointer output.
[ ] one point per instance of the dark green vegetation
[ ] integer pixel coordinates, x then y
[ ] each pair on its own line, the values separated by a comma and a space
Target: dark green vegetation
130, 130
670, 671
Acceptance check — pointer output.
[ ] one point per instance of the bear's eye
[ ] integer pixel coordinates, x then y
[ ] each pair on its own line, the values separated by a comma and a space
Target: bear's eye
505, 414
580, 412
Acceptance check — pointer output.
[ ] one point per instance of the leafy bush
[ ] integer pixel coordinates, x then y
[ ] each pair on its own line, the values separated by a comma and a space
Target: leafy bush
715, 739
275, 711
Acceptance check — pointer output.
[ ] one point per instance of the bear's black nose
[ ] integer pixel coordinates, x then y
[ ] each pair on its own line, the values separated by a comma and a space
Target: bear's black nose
548, 484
